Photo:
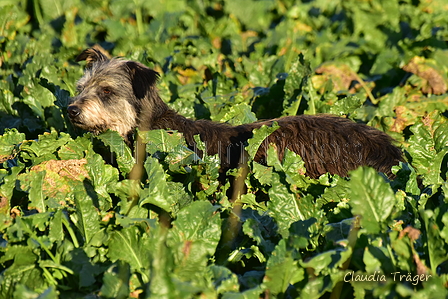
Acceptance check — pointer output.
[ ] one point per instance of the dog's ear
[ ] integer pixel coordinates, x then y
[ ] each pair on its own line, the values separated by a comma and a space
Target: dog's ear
143, 78
92, 55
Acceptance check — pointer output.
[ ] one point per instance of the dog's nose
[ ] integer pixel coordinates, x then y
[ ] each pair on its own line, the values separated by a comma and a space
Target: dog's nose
73, 111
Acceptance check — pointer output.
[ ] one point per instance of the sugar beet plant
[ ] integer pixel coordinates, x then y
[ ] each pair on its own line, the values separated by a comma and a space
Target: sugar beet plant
76, 223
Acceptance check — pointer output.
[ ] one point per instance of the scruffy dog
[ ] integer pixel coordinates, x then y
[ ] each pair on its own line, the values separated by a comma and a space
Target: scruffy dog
121, 95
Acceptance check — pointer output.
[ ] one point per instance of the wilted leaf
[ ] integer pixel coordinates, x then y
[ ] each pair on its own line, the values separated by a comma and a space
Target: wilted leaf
435, 80
340, 74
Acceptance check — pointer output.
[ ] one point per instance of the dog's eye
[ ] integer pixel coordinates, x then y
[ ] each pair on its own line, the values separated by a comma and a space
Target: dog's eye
106, 90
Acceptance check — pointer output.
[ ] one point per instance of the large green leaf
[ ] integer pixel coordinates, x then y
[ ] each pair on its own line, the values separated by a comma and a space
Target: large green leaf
287, 207
133, 247
32, 183
87, 218
8, 142
193, 238
120, 150
437, 247
103, 178
116, 281
282, 270
259, 137
371, 198
157, 191
428, 147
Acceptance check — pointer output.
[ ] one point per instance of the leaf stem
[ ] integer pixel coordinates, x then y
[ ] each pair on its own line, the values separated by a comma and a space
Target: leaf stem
352, 239
312, 104
49, 277
70, 231
138, 16
38, 12
364, 86
36, 238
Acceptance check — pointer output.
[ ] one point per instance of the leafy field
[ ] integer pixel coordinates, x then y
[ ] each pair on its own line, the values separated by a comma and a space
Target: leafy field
75, 226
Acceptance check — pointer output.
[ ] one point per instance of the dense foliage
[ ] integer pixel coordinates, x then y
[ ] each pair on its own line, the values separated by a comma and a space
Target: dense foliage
74, 225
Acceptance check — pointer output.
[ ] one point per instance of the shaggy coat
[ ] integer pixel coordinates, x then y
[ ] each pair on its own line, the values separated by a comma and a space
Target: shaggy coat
121, 95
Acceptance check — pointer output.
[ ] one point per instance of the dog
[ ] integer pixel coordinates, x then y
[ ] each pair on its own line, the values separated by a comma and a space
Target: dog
121, 95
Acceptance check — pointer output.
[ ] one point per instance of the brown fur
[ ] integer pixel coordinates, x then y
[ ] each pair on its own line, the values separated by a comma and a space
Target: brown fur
121, 95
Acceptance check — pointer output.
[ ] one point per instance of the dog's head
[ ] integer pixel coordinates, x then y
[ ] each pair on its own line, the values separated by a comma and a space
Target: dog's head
113, 94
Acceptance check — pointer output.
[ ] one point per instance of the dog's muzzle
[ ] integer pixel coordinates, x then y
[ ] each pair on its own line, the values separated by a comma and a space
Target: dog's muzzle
73, 111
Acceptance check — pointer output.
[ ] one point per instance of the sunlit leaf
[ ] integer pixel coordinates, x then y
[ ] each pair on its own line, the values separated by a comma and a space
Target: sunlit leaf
371, 198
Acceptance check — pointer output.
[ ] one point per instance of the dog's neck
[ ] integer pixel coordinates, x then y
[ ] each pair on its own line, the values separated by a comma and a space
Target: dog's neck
171, 120
208, 130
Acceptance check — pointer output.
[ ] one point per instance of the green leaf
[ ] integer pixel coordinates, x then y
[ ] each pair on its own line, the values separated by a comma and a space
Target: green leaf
295, 82
346, 106
45, 147
294, 168
180, 159
282, 270
163, 283
56, 229
374, 259
156, 192
7, 186
76, 149
103, 178
284, 206
253, 14
8, 142
133, 247
437, 249
371, 198
262, 173
239, 114
86, 218
160, 140
406, 179
121, 151
428, 147
300, 233
32, 183
23, 291
116, 281
403, 248
254, 229
38, 99
194, 237
172, 148
287, 207
224, 280
22, 271
328, 261
259, 136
